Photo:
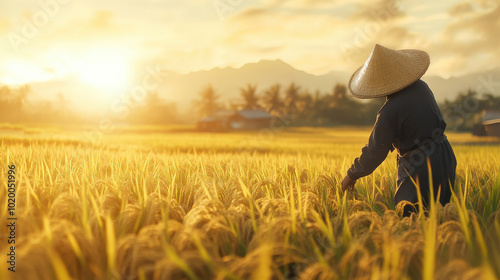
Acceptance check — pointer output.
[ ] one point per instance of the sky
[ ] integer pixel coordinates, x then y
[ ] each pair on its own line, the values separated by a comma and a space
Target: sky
105, 43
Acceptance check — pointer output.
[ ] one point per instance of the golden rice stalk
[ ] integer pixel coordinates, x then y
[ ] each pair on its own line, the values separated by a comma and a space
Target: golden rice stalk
110, 243
66, 206
263, 270
319, 271
59, 268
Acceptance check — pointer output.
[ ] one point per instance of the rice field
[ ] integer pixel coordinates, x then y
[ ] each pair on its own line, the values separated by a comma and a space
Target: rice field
153, 204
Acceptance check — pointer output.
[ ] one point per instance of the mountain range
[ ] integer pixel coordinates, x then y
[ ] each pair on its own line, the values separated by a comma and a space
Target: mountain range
184, 88
228, 81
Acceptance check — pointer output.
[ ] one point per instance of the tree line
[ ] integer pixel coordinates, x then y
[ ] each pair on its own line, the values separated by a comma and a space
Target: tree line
301, 107
337, 107
16, 107
465, 112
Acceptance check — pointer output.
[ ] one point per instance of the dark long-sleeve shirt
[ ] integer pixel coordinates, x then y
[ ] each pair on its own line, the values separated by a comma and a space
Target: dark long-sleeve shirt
407, 118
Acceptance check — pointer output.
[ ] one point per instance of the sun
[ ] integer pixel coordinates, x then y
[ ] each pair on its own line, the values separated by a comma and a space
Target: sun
104, 70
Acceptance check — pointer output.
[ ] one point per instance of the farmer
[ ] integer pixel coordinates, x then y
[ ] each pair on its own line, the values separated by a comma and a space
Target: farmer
409, 121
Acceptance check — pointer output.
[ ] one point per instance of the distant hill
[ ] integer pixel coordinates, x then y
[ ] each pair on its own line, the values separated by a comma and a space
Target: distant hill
183, 88
228, 81
265, 73
484, 82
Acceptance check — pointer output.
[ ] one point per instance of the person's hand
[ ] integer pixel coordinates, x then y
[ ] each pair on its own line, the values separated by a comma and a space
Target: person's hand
348, 183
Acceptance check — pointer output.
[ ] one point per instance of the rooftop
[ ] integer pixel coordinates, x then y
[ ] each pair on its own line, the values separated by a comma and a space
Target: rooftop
255, 114
490, 115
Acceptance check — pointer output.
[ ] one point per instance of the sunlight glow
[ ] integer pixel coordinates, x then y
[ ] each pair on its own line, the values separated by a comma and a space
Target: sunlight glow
103, 70
19, 72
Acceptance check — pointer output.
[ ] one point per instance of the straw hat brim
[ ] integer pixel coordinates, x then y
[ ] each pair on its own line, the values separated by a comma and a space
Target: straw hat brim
388, 71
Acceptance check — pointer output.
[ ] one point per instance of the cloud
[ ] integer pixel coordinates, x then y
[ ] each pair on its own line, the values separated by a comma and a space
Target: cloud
85, 31
314, 35
469, 42
447, 64
461, 9
482, 28
5, 25
283, 33
377, 10
102, 19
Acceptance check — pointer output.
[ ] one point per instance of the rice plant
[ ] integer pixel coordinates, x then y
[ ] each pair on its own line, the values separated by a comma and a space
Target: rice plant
234, 206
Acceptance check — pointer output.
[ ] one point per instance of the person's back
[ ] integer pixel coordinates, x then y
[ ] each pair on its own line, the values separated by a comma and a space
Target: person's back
420, 135
410, 121
418, 116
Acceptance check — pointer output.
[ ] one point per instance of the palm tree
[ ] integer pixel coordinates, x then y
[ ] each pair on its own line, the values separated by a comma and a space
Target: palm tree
305, 103
4, 92
208, 101
22, 96
62, 103
272, 99
250, 98
291, 98
339, 93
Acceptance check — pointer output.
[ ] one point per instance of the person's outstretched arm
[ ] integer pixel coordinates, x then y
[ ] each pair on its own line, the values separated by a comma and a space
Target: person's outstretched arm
375, 152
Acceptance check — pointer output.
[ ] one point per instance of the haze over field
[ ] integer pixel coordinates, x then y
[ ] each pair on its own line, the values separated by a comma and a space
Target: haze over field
94, 52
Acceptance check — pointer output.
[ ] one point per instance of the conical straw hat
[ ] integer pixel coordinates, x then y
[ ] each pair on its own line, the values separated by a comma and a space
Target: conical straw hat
387, 71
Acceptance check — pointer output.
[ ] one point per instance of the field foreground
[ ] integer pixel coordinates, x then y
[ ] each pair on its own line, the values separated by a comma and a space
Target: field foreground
150, 204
